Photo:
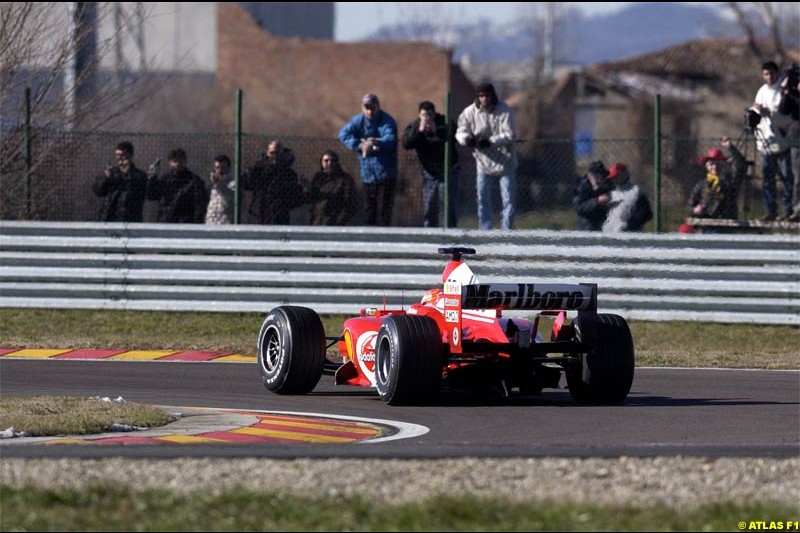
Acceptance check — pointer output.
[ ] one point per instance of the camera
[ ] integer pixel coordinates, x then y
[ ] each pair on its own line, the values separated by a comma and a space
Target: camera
751, 118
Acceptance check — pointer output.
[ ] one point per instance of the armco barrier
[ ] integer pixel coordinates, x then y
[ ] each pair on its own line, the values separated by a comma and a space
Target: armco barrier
715, 278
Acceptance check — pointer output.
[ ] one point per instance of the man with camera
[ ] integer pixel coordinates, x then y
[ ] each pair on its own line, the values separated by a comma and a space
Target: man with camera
372, 134
790, 107
428, 135
771, 133
123, 187
487, 127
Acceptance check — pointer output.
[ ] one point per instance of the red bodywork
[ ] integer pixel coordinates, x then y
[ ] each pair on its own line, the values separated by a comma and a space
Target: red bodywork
457, 324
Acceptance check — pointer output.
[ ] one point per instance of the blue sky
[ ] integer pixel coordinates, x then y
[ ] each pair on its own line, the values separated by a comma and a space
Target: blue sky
355, 21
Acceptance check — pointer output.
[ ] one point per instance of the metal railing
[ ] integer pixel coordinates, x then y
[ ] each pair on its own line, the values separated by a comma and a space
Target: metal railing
715, 278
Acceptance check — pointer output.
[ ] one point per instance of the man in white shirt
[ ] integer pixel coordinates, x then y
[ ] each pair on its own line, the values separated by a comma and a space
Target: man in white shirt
770, 133
487, 126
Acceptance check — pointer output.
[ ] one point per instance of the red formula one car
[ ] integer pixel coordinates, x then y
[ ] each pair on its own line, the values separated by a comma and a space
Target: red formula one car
457, 337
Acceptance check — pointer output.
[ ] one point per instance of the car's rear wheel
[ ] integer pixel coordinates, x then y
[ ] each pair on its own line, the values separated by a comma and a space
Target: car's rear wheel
605, 372
291, 350
408, 360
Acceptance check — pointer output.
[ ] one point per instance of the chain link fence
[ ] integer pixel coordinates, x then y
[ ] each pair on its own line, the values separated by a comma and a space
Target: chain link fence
65, 164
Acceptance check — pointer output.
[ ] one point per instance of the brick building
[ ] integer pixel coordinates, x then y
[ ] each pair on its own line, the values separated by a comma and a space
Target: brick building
306, 87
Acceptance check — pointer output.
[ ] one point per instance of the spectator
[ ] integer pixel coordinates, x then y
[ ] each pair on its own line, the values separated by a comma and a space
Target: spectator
715, 195
221, 192
591, 197
628, 207
774, 152
123, 186
790, 108
428, 135
373, 135
276, 190
487, 126
333, 194
181, 195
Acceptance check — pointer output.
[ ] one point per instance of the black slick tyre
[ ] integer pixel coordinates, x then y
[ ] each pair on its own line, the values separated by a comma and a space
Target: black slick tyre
408, 360
605, 372
291, 350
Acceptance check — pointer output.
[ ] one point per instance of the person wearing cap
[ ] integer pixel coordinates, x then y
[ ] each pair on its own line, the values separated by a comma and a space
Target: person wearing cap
487, 127
591, 197
428, 135
715, 195
628, 207
372, 134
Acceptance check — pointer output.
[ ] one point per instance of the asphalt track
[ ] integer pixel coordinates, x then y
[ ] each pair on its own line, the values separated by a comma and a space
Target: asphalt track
669, 412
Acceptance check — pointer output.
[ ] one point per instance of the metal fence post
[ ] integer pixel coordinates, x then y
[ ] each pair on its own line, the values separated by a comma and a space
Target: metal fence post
237, 158
657, 163
28, 154
447, 148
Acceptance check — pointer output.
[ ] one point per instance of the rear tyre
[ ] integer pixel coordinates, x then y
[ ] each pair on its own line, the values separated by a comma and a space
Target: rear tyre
605, 372
408, 360
291, 350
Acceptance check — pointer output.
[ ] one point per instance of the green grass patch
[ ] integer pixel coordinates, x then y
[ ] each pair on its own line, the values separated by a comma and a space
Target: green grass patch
106, 508
684, 344
47, 415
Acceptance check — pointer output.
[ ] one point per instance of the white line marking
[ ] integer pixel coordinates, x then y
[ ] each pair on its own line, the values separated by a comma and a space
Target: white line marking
406, 430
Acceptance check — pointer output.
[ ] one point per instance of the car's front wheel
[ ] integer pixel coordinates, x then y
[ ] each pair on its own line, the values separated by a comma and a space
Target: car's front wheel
408, 360
291, 350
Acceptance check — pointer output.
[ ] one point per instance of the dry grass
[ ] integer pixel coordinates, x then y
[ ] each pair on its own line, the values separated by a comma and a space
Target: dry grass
685, 344
48, 415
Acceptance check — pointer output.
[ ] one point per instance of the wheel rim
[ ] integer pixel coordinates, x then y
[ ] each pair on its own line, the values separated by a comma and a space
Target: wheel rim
383, 362
271, 349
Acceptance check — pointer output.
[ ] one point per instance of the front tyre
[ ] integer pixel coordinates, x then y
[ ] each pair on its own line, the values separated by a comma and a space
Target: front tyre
291, 350
605, 372
408, 360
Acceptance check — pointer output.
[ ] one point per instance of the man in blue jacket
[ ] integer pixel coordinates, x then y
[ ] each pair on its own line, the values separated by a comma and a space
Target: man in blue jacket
373, 134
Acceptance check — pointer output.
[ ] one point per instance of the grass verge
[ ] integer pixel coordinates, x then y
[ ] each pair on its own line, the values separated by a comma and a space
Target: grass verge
52, 415
684, 344
105, 508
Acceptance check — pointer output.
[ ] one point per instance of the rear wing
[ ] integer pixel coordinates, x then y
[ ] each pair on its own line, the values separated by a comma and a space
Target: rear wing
518, 296
538, 296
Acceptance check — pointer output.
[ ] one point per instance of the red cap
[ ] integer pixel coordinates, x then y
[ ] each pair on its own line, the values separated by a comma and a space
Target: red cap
616, 169
715, 154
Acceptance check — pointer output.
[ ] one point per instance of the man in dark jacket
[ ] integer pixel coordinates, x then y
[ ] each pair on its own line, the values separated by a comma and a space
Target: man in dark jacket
123, 186
591, 198
332, 194
428, 135
275, 187
181, 195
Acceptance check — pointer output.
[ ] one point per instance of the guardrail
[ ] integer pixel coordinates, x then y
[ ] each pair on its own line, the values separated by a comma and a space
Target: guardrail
715, 278
740, 226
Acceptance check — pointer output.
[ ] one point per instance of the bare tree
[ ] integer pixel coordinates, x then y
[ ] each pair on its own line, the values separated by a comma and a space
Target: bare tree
433, 22
780, 21
37, 49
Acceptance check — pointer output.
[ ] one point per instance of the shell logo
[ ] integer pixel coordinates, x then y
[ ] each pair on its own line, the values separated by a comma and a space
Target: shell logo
365, 354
